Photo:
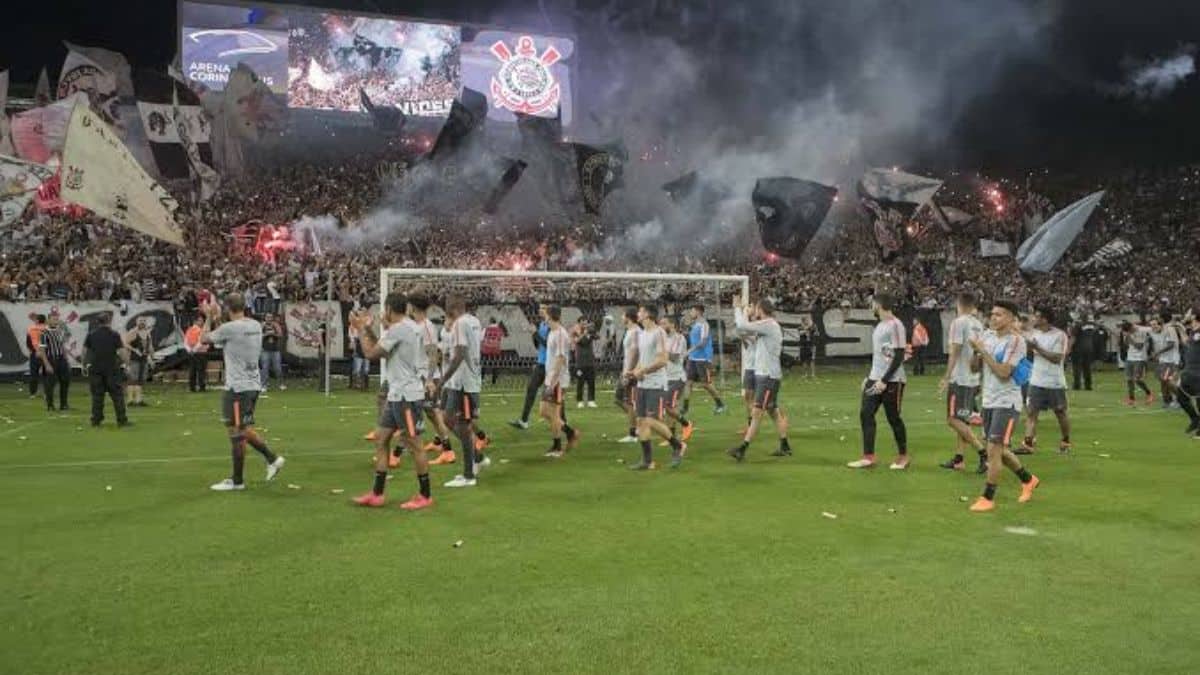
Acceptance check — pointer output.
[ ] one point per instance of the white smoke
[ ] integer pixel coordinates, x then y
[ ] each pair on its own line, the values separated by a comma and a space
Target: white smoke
1154, 79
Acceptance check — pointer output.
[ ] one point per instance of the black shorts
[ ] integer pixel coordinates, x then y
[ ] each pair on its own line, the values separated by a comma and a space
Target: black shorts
651, 403
748, 380
999, 423
1046, 399
402, 415
699, 371
237, 408
1135, 370
552, 394
674, 394
766, 393
461, 405
960, 400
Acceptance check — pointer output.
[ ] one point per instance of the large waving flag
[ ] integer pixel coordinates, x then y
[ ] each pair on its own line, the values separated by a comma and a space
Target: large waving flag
19, 181
789, 212
892, 197
38, 134
100, 174
157, 94
1042, 251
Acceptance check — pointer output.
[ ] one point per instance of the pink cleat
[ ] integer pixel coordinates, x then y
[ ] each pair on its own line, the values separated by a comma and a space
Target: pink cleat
417, 503
370, 499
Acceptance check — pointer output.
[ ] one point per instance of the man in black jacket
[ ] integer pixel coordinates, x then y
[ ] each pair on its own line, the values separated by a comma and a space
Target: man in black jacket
1083, 352
104, 352
585, 362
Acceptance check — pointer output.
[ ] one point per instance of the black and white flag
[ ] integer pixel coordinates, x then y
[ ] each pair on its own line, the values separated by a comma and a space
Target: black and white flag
157, 94
1108, 255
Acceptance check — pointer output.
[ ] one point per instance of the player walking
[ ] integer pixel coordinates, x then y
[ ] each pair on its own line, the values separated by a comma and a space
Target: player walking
558, 380
1164, 343
463, 381
759, 322
401, 344
961, 384
1136, 340
998, 353
1189, 377
699, 364
537, 376
884, 385
1048, 382
676, 376
651, 377
240, 340
626, 385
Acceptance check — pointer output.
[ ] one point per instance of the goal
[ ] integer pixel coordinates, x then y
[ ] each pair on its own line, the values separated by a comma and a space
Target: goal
509, 299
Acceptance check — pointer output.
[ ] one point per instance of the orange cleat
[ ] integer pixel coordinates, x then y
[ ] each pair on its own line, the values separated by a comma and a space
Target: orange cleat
371, 436
393, 461
431, 446
417, 503
688, 428
447, 457
1027, 490
983, 505
370, 499
482, 444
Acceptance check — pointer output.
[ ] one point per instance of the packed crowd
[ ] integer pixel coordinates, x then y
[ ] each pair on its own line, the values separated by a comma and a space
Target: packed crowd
64, 258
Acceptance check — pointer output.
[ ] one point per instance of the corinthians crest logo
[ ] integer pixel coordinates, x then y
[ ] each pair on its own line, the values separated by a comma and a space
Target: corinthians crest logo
524, 83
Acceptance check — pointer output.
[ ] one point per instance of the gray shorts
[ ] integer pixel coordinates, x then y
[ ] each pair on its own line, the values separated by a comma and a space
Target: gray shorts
960, 401
674, 393
138, 370
766, 393
699, 371
460, 405
999, 424
1166, 371
747, 380
1046, 399
1135, 370
402, 415
651, 403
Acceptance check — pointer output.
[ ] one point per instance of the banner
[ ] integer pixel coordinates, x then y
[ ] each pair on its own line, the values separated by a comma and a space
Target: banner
599, 174
19, 181
101, 74
467, 113
789, 212
513, 168
1042, 251
1108, 255
156, 95
79, 319
189, 126
891, 198
38, 134
989, 248
100, 174
386, 119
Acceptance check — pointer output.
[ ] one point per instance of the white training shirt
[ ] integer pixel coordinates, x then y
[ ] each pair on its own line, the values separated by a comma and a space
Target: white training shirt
558, 345
629, 345
998, 393
402, 344
1168, 340
768, 344
1138, 344
652, 342
240, 341
677, 349
467, 333
428, 337
1046, 374
962, 329
888, 337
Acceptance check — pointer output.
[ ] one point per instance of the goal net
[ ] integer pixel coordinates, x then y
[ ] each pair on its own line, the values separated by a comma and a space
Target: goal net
509, 300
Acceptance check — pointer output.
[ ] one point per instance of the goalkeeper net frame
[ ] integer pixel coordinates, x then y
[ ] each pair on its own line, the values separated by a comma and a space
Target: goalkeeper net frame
525, 287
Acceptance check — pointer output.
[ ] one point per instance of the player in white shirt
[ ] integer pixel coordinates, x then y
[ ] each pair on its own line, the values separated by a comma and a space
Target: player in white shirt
748, 346
676, 377
558, 380
462, 382
429, 366
626, 385
1048, 382
1136, 339
1165, 341
961, 383
884, 385
998, 355
759, 321
651, 376
402, 345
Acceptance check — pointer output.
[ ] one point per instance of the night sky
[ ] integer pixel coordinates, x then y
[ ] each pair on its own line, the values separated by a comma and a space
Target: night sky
1047, 111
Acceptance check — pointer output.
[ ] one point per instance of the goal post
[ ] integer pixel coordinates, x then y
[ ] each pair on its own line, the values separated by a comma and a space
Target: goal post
503, 292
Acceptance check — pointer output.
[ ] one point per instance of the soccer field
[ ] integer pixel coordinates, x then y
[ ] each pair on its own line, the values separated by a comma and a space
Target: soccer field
581, 566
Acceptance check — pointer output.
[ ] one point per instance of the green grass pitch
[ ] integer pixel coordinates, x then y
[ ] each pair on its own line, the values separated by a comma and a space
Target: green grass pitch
581, 566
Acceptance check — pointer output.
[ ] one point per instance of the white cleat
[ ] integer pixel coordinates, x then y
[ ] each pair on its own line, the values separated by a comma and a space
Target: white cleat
459, 482
274, 467
579, 405
628, 439
899, 465
227, 485
283, 387
592, 404
863, 463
